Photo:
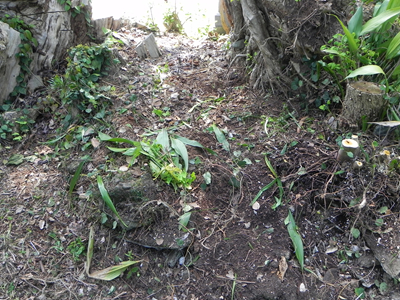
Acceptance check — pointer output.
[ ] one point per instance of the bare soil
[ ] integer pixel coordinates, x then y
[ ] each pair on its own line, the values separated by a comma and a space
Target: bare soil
236, 251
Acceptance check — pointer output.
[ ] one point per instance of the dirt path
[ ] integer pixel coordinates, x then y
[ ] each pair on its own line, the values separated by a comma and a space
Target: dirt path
235, 250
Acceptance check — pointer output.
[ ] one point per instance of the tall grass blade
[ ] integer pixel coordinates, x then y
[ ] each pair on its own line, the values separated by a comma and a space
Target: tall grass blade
107, 199
221, 137
366, 70
296, 239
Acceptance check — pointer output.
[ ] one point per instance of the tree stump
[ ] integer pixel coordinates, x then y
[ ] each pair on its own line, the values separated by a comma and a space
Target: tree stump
363, 99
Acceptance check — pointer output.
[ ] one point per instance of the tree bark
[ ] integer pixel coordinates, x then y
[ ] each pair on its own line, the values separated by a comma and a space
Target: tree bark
277, 32
363, 100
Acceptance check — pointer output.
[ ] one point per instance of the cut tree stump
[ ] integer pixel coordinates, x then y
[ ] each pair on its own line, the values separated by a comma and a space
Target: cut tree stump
148, 45
363, 99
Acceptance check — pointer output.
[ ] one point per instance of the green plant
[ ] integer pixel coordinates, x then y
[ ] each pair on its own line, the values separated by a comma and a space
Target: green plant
277, 181
296, 238
5, 128
372, 49
107, 199
167, 154
172, 22
28, 43
79, 87
76, 248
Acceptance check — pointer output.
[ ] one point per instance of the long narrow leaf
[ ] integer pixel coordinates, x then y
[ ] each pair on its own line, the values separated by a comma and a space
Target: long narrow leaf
180, 148
221, 137
194, 144
377, 21
268, 186
355, 23
394, 47
107, 199
113, 272
393, 4
89, 254
270, 167
350, 37
296, 239
366, 70
75, 179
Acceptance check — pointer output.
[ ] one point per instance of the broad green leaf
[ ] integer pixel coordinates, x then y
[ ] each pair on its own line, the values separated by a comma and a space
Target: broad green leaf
114, 149
375, 22
366, 70
221, 137
104, 137
107, 199
393, 4
120, 140
355, 232
163, 140
184, 220
355, 23
111, 273
16, 159
193, 143
296, 239
180, 148
352, 42
394, 47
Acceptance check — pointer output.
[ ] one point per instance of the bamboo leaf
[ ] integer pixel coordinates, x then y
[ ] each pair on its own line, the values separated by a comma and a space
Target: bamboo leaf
394, 47
221, 137
107, 199
113, 272
366, 70
180, 148
296, 239
355, 23
381, 18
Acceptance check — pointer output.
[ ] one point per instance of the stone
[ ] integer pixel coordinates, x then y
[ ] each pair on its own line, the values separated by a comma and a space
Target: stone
9, 63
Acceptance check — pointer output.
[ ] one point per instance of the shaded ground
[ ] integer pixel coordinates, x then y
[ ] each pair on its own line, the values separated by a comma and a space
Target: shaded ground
233, 250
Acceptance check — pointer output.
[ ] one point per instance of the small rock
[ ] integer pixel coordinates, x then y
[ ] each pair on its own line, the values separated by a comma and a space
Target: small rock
331, 275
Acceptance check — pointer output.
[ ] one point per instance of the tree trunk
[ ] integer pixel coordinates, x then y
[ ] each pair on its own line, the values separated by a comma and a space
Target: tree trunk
363, 100
277, 32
